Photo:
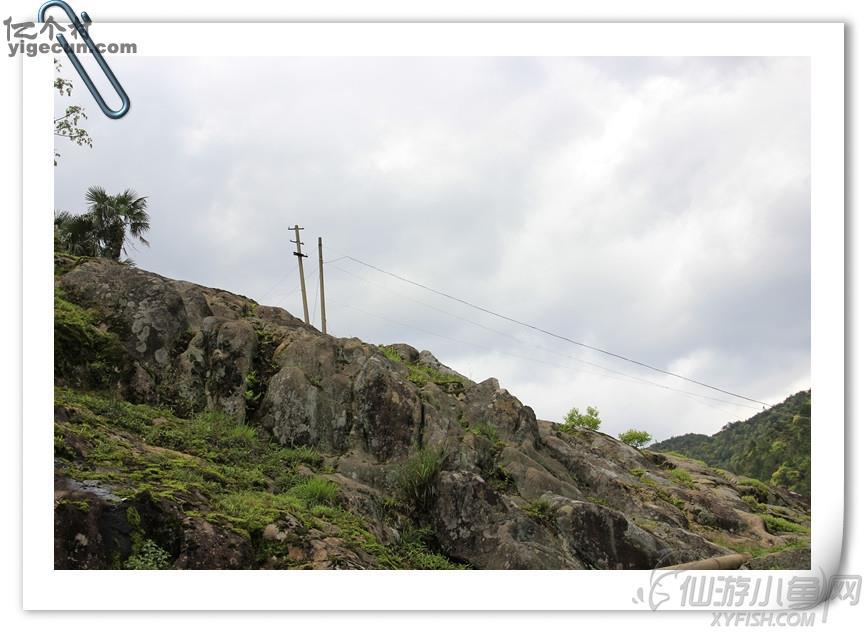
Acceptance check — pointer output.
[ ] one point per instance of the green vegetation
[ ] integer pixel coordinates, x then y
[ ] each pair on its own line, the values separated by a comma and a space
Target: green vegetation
85, 353
420, 374
778, 525
300, 455
391, 354
499, 478
417, 478
635, 438
680, 476
773, 446
755, 504
224, 472
677, 502
574, 420
109, 223
541, 510
149, 556
756, 550
600, 501
316, 491
68, 125
414, 551
487, 431
252, 510
753, 487
661, 493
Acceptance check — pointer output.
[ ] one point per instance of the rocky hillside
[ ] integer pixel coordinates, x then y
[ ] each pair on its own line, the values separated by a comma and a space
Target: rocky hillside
773, 445
195, 428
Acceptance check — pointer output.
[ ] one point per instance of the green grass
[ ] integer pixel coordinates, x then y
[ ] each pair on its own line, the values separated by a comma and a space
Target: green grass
301, 455
599, 501
316, 491
483, 429
748, 482
413, 551
252, 510
141, 448
421, 375
417, 478
390, 354
85, 353
230, 475
754, 503
677, 502
680, 475
777, 525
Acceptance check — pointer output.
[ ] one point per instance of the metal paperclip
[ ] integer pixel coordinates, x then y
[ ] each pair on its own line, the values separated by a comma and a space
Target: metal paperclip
82, 30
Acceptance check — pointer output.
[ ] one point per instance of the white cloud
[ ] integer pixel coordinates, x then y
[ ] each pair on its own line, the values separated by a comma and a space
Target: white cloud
655, 207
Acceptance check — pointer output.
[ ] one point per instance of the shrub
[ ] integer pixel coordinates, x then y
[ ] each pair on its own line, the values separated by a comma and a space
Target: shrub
575, 419
541, 510
149, 556
390, 353
254, 389
635, 438
487, 431
754, 503
417, 478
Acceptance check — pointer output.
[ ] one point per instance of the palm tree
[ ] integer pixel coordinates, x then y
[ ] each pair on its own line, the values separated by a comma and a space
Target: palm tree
116, 219
75, 234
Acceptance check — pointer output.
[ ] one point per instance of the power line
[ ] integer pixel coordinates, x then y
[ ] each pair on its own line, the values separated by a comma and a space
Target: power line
315, 303
692, 396
267, 296
544, 349
558, 336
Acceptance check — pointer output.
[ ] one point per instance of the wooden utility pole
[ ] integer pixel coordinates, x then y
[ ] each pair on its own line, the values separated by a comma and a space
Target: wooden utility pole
322, 288
301, 257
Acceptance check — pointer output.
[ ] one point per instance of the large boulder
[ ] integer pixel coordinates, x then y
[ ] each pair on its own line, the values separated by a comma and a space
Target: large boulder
388, 410
475, 524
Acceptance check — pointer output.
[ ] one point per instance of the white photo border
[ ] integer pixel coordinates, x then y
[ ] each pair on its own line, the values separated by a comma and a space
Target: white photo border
46, 588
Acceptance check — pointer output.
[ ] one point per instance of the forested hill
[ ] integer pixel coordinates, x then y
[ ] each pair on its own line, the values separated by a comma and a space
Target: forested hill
773, 445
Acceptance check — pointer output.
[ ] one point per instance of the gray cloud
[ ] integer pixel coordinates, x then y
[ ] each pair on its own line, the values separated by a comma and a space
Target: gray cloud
657, 207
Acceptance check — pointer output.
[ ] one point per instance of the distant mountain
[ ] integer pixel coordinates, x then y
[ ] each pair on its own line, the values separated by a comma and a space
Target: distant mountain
773, 445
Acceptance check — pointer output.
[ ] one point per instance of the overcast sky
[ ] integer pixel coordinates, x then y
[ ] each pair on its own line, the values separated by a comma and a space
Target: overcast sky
655, 207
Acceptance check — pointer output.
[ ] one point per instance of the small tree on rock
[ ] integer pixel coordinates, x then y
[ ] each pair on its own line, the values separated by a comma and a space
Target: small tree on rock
635, 438
575, 419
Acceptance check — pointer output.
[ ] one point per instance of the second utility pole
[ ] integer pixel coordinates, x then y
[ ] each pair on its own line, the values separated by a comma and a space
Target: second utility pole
300, 257
322, 287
